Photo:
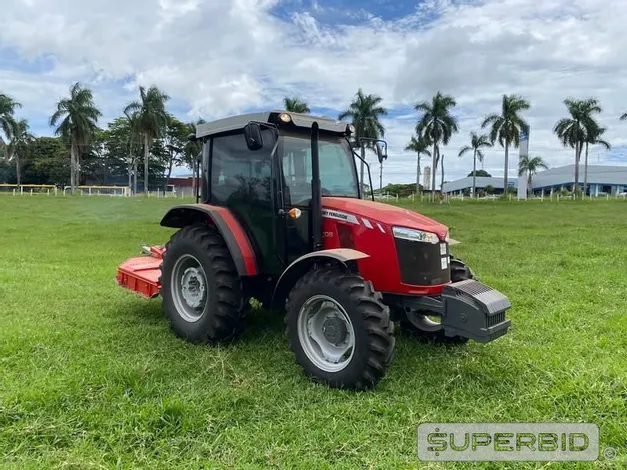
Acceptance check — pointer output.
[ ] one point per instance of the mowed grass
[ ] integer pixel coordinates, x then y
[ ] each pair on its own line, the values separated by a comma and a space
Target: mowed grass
91, 376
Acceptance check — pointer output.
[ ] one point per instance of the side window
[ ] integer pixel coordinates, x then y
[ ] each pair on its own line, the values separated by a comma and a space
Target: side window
297, 174
336, 176
237, 174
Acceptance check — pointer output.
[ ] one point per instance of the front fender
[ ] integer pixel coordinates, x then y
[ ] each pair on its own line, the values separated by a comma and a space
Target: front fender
236, 239
298, 268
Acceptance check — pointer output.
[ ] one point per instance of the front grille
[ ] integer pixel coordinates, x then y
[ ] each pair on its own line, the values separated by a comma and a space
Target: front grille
496, 319
421, 263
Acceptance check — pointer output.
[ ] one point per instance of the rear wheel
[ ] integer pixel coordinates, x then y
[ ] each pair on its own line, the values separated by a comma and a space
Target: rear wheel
339, 330
428, 328
201, 290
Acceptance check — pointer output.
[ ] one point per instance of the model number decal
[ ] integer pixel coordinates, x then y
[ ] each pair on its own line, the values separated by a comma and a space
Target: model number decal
343, 216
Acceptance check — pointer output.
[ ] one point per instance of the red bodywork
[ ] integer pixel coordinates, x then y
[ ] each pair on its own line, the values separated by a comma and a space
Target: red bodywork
141, 274
371, 226
367, 223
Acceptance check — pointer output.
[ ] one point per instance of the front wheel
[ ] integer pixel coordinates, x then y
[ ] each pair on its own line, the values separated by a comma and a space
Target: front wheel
339, 330
201, 290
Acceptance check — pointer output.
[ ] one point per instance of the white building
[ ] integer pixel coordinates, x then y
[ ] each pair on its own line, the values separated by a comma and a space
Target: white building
602, 179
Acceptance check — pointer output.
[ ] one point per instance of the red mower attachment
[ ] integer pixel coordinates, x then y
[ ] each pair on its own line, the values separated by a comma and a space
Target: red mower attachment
141, 274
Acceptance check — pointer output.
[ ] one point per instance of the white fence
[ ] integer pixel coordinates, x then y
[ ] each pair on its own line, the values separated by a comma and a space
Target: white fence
29, 189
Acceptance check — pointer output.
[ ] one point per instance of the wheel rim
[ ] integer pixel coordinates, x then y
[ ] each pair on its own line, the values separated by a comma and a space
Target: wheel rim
326, 333
425, 322
189, 288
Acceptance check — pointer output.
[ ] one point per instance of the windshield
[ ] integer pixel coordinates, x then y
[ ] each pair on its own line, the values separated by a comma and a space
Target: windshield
337, 170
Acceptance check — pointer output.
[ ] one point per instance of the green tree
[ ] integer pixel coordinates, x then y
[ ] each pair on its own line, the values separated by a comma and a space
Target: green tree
489, 189
48, 161
477, 143
7, 107
123, 146
76, 121
574, 130
20, 140
530, 166
480, 173
420, 145
152, 120
295, 105
507, 126
175, 140
438, 125
365, 111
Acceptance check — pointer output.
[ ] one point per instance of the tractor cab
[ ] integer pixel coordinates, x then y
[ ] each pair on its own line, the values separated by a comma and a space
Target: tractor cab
281, 217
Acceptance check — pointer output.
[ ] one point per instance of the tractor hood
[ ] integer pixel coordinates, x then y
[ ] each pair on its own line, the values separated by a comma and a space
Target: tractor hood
384, 214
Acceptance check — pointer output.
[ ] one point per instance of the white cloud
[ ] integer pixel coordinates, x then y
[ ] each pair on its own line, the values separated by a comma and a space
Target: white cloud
223, 56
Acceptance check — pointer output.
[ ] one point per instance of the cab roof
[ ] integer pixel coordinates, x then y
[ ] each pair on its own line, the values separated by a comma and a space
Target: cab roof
234, 123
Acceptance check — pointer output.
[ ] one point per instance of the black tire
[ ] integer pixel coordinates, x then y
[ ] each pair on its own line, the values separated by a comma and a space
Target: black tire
373, 331
223, 308
459, 272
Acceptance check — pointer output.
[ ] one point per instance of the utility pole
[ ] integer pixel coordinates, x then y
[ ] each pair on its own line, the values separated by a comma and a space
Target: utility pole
380, 177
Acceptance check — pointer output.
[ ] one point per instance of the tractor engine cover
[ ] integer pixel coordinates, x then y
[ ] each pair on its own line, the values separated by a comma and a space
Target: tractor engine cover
474, 310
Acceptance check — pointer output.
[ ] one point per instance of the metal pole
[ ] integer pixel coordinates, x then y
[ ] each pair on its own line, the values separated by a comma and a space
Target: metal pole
363, 159
316, 196
381, 177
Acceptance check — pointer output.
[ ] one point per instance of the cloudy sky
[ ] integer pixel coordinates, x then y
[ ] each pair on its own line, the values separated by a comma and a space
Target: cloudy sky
219, 57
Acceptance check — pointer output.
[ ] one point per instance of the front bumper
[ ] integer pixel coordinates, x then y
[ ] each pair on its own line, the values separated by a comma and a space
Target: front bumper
473, 310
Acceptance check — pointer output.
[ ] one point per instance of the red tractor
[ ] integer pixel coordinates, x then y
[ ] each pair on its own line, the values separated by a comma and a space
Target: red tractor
281, 218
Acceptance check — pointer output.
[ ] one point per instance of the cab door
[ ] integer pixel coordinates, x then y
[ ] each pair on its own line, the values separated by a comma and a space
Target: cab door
294, 183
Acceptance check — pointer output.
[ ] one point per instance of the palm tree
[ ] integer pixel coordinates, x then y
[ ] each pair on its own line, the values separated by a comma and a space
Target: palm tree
77, 118
593, 137
132, 128
295, 105
7, 107
437, 125
191, 151
442, 180
365, 111
574, 130
530, 166
152, 120
19, 140
477, 142
507, 126
420, 145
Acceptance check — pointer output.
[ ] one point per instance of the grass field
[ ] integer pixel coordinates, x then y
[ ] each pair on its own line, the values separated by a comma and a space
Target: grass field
91, 377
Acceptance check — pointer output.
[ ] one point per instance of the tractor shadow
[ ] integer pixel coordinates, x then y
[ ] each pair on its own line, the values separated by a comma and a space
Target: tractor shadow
435, 369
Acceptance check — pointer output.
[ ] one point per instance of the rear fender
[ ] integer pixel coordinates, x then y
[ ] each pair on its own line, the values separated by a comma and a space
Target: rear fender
223, 220
344, 256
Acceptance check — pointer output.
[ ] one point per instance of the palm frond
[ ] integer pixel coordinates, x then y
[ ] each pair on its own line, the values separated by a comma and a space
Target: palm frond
464, 150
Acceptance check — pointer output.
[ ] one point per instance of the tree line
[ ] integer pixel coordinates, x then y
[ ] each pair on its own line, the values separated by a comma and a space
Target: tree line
146, 131
436, 124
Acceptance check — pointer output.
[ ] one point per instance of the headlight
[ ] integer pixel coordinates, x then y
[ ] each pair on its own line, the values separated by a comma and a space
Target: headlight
415, 235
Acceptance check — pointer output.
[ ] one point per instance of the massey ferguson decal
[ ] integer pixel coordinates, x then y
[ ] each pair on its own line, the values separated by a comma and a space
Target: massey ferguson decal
337, 215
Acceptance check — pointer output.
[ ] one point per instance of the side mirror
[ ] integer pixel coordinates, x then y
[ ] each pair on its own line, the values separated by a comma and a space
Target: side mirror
382, 151
252, 133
